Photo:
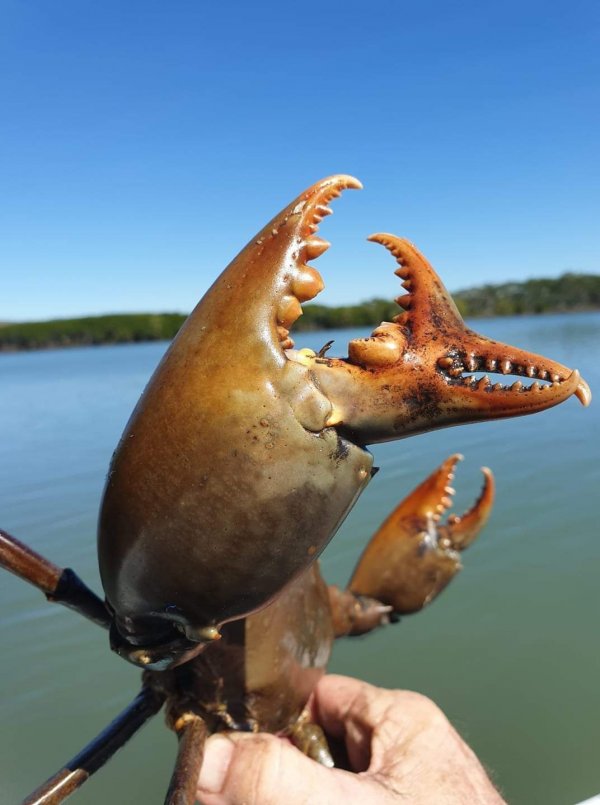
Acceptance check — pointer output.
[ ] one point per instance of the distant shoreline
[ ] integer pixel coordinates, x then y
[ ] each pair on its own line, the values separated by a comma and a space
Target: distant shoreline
570, 293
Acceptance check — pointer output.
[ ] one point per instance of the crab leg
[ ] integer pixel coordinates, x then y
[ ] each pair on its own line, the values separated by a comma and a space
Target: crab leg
74, 774
413, 556
192, 732
59, 585
354, 614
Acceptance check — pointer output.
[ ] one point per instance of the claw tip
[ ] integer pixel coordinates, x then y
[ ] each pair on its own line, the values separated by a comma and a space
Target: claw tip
583, 391
345, 181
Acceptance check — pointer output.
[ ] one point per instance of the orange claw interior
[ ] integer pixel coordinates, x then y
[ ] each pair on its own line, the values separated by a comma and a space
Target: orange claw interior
413, 555
426, 369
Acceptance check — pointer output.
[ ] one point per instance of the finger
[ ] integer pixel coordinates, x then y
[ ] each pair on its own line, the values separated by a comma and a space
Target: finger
374, 723
349, 710
338, 698
265, 770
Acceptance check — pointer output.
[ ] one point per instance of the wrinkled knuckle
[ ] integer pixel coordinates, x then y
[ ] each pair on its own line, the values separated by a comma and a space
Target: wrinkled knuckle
427, 709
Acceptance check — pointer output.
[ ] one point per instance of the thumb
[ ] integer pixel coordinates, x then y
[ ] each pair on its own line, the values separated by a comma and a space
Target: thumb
265, 770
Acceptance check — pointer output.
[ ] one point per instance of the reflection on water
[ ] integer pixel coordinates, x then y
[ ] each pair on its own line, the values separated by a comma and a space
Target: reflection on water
510, 651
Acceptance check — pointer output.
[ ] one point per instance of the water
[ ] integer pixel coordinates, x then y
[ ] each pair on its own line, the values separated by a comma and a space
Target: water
510, 650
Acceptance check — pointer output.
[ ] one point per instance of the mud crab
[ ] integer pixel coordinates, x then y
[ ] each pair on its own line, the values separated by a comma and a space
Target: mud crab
203, 540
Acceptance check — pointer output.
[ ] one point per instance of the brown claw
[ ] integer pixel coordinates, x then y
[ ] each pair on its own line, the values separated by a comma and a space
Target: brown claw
460, 532
426, 369
228, 481
412, 557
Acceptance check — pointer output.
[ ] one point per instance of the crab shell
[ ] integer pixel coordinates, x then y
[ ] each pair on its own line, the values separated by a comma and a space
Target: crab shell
260, 675
243, 456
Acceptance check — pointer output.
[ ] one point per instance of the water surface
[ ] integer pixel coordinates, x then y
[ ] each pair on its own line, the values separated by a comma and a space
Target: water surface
510, 650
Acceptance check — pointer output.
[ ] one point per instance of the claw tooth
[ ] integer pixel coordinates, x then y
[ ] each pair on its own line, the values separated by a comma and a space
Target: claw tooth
505, 367
404, 301
530, 371
402, 272
374, 352
288, 311
456, 371
491, 364
517, 386
555, 378
471, 363
542, 374
407, 284
497, 386
401, 318
446, 501
449, 490
445, 363
307, 283
314, 247
284, 338
535, 387
440, 508
483, 383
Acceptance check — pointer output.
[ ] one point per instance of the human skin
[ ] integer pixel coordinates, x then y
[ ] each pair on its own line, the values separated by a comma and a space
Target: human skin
400, 747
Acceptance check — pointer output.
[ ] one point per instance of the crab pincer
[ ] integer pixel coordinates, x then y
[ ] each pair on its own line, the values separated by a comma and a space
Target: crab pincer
415, 554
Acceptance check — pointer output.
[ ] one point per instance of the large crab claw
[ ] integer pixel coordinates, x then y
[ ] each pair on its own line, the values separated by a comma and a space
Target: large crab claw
417, 373
413, 555
244, 455
227, 482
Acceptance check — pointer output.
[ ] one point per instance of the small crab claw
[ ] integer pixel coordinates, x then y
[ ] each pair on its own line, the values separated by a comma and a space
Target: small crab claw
418, 372
413, 556
460, 531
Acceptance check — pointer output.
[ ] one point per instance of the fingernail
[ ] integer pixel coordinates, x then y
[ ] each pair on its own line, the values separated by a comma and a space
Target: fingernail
217, 757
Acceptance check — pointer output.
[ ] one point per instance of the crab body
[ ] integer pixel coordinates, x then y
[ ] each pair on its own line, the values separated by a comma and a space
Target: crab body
259, 676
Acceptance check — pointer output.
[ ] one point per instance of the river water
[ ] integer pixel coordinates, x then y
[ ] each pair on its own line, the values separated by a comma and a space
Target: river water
511, 650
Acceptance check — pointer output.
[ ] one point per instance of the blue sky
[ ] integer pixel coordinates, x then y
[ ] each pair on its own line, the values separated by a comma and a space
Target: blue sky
143, 143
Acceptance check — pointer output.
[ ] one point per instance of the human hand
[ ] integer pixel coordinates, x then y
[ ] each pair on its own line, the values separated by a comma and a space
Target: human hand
400, 747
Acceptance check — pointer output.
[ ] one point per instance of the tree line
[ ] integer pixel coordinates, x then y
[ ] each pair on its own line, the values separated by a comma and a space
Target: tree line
570, 292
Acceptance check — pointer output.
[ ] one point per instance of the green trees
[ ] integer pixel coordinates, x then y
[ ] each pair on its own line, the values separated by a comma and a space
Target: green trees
569, 292
114, 329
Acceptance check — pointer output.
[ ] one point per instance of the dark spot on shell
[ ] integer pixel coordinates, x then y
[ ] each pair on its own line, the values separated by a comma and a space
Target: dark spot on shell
341, 450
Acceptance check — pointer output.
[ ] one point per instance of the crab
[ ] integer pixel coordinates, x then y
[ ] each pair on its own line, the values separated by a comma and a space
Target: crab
260, 674
240, 461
